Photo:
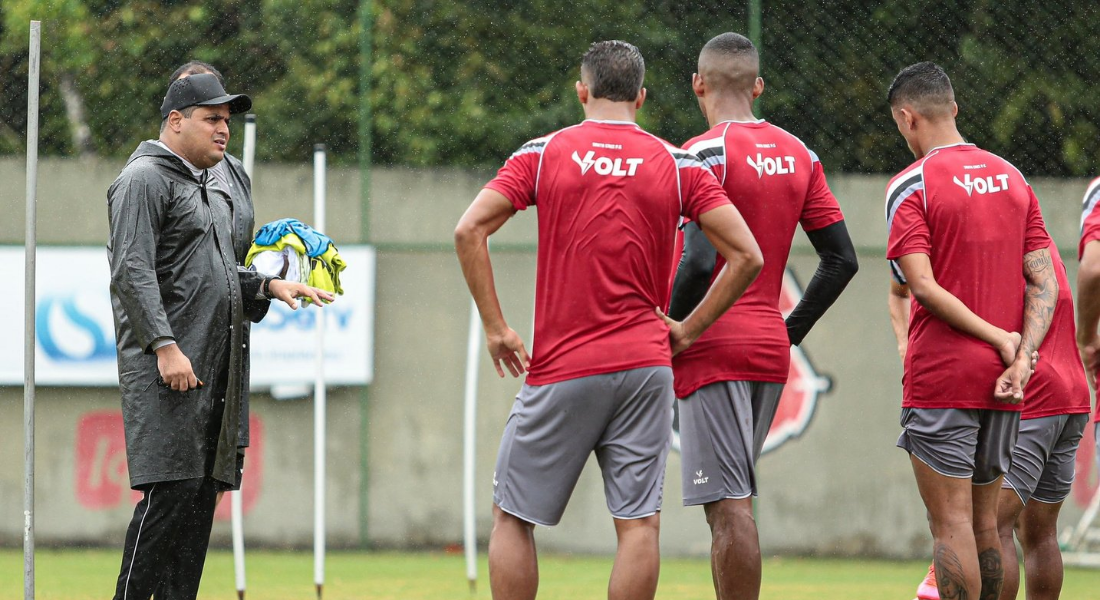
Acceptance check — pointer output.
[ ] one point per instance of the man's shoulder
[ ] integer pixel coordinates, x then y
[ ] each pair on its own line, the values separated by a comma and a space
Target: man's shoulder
910, 175
711, 138
232, 162
146, 169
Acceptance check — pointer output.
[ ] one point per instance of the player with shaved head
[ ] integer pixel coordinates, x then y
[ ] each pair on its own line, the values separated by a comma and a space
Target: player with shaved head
967, 241
730, 381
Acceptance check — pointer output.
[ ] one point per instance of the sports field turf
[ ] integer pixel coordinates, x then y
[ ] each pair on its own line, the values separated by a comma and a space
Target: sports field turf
87, 574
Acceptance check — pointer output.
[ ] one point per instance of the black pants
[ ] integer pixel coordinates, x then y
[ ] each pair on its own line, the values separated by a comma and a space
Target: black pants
166, 541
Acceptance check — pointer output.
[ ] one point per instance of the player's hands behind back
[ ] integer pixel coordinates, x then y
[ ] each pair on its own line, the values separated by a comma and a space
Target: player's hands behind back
1010, 385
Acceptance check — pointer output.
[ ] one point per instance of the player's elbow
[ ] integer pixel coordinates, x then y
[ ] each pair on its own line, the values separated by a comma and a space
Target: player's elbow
467, 234
752, 262
848, 264
1088, 273
922, 290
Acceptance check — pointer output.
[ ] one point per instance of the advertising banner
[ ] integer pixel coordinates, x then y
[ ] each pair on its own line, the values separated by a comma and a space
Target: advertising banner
75, 327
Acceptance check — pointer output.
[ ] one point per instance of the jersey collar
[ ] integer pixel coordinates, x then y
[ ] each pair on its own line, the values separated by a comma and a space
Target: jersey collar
610, 122
955, 145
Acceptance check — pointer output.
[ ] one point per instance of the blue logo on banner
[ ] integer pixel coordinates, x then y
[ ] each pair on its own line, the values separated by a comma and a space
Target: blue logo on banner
102, 346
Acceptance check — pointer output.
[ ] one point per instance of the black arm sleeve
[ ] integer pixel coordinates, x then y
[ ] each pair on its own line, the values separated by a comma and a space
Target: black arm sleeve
255, 307
836, 268
693, 273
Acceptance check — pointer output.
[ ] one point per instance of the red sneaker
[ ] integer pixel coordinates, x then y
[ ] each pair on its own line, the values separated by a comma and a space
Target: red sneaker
927, 589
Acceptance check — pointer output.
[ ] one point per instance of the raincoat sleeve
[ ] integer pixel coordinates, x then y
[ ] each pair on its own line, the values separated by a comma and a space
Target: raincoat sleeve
255, 304
136, 205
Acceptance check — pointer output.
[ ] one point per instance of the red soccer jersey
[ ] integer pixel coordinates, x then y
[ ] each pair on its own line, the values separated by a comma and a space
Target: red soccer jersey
975, 216
776, 183
1058, 386
609, 196
1090, 217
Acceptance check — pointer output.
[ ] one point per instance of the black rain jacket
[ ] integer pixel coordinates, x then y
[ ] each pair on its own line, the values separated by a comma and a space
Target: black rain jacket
175, 252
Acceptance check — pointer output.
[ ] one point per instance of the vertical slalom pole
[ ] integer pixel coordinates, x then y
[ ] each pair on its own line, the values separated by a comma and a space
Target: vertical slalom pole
473, 353
235, 500
319, 398
30, 247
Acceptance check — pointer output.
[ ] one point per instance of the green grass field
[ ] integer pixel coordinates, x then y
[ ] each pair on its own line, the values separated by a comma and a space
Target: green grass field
88, 574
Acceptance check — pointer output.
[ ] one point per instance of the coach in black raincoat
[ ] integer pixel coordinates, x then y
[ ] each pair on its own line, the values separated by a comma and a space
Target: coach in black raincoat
180, 224
174, 275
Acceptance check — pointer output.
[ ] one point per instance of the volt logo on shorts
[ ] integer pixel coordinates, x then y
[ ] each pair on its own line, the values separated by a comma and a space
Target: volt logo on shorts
607, 166
699, 479
771, 165
983, 185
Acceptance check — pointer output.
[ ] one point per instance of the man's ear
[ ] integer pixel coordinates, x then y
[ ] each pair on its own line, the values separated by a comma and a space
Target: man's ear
640, 100
757, 88
174, 119
910, 117
954, 109
698, 85
582, 92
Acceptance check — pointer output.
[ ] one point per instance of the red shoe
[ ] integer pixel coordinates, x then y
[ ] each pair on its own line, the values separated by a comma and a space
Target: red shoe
927, 590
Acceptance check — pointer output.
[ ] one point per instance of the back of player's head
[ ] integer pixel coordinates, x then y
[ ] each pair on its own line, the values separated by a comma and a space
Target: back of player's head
196, 67
613, 70
925, 87
729, 62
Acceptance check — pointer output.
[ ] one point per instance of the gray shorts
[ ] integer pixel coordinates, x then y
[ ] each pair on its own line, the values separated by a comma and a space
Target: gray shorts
722, 430
973, 444
625, 417
1043, 461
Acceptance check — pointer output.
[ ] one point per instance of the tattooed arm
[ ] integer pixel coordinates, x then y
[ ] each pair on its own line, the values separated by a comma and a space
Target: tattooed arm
917, 271
1039, 301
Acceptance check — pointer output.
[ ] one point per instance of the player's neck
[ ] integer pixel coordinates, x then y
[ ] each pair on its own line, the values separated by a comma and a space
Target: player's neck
940, 135
730, 109
602, 109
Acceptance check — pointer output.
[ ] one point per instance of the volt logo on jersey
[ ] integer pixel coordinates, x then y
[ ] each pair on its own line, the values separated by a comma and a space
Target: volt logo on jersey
983, 185
771, 165
607, 166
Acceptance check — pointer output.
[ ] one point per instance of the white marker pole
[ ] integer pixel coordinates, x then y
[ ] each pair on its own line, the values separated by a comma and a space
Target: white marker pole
30, 244
235, 501
473, 353
319, 391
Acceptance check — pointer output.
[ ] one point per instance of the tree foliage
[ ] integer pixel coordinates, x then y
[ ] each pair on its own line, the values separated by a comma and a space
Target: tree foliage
465, 83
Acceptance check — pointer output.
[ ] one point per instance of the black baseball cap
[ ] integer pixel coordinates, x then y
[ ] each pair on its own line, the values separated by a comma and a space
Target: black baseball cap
203, 89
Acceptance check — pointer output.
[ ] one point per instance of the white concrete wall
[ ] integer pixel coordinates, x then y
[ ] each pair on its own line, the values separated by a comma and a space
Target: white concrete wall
842, 488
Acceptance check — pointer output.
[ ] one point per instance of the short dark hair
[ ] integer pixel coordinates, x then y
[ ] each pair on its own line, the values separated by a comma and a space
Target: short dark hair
731, 44
615, 70
196, 67
729, 62
925, 86
186, 111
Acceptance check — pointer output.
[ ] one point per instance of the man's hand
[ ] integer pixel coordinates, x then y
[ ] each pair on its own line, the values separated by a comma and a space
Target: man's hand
1010, 385
287, 291
678, 336
507, 346
1009, 347
175, 369
1090, 357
